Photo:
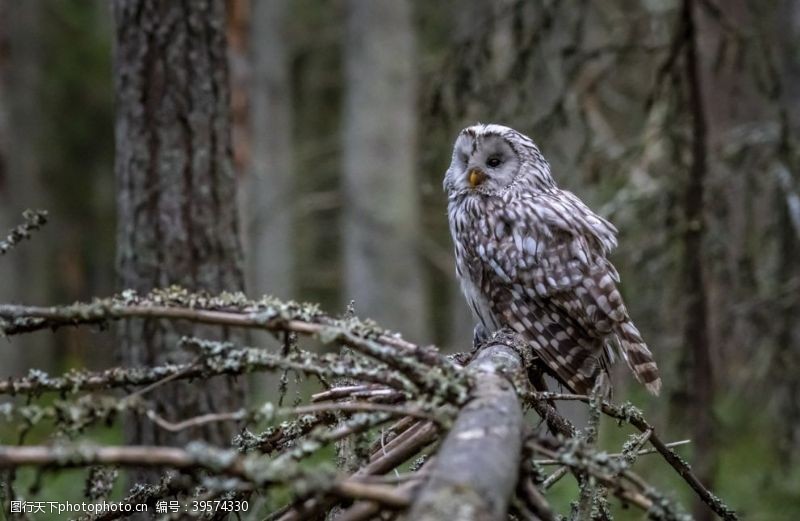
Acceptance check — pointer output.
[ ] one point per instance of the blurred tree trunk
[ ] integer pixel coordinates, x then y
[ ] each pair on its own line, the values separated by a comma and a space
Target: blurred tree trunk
381, 212
732, 101
269, 190
23, 273
10, 359
786, 362
695, 361
176, 189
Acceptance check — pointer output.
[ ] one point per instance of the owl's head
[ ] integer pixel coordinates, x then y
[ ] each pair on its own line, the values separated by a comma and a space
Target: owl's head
489, 159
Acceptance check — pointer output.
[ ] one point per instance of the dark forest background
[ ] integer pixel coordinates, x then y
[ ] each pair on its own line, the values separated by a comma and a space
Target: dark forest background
685, 135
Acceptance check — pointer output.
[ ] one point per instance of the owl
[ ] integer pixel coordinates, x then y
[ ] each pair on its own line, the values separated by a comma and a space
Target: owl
533, 258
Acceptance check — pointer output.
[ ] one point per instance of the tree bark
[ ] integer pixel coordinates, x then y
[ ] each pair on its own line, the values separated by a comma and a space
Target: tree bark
696, 358
176, 190
381, 215
476, 468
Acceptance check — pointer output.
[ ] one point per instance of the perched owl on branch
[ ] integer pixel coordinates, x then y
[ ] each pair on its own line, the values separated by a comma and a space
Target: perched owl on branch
533, 258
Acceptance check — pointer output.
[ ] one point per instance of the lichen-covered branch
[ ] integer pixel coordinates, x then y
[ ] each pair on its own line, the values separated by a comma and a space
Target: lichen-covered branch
475, 471
630, 414
480, 465
424, 366
216, 358
254, 470
34, 219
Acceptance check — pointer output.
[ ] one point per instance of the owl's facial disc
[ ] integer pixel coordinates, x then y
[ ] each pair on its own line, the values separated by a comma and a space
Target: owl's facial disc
483, 161
492, 163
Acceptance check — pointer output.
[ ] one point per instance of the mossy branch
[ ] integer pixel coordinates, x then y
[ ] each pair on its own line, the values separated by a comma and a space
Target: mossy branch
475, 471
471, 404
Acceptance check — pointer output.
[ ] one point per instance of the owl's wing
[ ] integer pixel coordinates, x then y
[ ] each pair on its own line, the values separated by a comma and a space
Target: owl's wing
595, 300
551, 242
549, 278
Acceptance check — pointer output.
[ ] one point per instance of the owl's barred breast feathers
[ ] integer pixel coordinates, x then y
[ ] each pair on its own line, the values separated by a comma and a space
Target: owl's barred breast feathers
533, 258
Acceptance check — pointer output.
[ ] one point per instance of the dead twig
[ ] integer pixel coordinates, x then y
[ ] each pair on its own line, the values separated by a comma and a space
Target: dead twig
367, 407
34, 220
631, 415
619, 454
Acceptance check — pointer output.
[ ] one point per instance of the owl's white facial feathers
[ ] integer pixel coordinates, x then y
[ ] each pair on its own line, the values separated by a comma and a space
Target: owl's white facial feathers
501, 155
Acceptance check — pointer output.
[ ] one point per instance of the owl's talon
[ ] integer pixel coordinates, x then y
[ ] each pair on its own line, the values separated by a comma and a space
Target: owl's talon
479, 335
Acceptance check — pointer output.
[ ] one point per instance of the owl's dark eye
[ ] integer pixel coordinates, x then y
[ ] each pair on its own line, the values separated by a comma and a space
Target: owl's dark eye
493, 162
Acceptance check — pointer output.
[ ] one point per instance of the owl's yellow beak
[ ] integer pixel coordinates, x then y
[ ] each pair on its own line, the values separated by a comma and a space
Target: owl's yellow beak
475, 177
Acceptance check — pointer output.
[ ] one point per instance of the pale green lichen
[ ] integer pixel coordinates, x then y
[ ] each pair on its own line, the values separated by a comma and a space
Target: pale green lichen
418, 377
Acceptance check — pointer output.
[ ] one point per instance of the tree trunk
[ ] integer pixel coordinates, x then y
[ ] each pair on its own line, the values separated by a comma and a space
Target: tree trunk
269, 182
176, 190
381, 215
786, 362
696, 358
20, 174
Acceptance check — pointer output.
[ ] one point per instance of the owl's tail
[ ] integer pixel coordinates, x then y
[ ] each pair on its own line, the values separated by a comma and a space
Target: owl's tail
638, 356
